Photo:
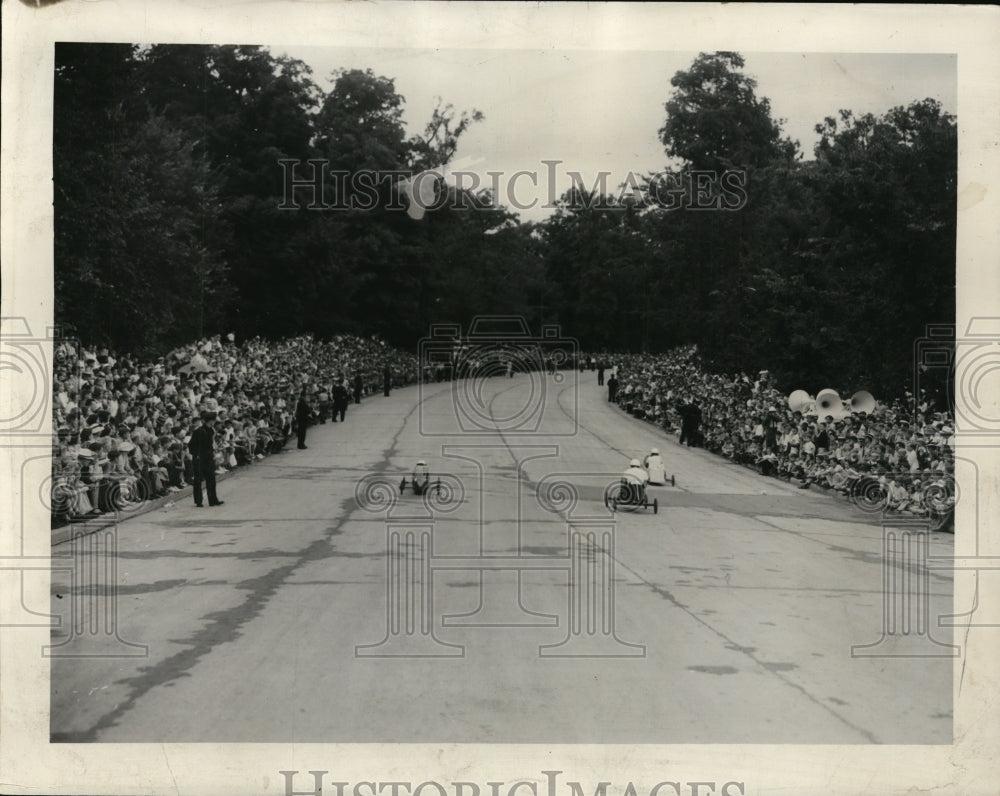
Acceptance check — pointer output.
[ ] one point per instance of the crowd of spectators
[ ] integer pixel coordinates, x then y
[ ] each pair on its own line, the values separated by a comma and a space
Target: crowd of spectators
904, 456
121, 425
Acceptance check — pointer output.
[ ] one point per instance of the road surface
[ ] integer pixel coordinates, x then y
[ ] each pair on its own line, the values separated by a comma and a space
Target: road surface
511, 608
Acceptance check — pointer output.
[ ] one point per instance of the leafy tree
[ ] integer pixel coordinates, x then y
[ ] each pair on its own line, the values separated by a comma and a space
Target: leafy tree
887, 186
391, 265
604, 271
138, 220
360, 123
715, 123
715, 120
168, 196
439, 142
247, 110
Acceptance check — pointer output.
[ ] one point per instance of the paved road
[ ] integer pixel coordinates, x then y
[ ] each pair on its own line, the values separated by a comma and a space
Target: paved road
729, 616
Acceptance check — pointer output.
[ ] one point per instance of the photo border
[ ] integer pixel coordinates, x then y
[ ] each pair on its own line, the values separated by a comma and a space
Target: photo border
30, 763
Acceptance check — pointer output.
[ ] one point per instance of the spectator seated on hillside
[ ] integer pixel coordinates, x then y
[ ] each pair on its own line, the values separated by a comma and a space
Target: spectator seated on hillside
135, 416
767, 463
747, 420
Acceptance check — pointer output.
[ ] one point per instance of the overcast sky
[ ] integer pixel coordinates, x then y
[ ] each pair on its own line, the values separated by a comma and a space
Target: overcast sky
600, 110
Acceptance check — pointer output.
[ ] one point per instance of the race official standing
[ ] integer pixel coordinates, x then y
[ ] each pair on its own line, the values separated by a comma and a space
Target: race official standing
202, 448
302, 414
690, 423
386, 380
359, 387
341, 398
613, 388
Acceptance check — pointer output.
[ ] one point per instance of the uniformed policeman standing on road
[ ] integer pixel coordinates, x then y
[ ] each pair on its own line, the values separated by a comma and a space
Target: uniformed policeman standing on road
302, 414
202, 448
341, 398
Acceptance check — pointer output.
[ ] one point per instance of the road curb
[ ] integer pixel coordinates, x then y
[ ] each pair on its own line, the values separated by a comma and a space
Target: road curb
83, 528
673, 437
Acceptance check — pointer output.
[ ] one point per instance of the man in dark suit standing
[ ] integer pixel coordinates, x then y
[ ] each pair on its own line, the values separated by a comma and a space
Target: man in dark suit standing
613, 388
302, 415
386, 380
341, 398
690, 424
202, 448
359, 387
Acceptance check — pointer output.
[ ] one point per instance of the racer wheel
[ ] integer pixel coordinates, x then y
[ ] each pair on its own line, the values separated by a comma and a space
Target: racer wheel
612, 495
628, 505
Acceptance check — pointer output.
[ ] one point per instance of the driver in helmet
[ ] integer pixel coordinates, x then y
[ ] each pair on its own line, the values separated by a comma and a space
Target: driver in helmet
421, 478
634, 479
654, 467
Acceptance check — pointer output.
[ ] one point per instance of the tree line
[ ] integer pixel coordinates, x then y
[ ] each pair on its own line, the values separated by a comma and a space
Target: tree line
168, 221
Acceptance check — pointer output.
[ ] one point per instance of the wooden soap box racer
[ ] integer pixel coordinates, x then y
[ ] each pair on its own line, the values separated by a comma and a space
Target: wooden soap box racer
420, 481
629, 494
